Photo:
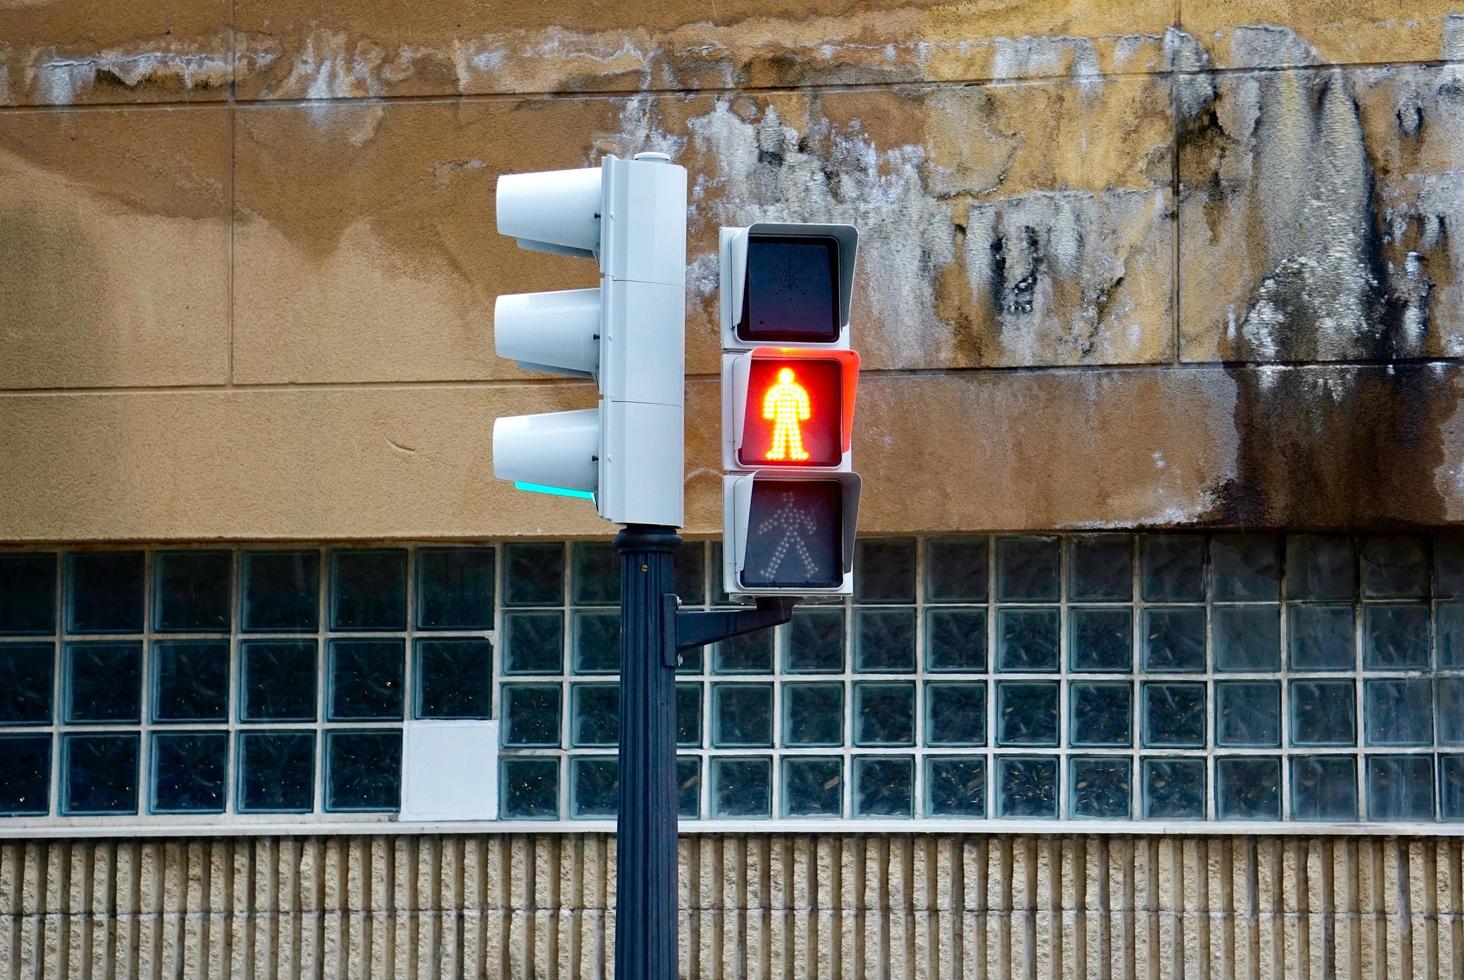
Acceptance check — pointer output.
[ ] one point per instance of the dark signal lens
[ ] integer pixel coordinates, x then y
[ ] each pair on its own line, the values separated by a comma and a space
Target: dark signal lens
795, 535
792, 292
794, 413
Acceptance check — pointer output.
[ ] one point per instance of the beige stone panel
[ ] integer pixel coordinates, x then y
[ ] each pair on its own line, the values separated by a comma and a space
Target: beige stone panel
1314, 207
289, 49
114, 246
953, 451
63, 52
1276, 33
1006, 225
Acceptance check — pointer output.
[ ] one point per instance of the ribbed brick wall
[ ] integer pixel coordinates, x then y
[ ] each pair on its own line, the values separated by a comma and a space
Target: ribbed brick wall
755, 906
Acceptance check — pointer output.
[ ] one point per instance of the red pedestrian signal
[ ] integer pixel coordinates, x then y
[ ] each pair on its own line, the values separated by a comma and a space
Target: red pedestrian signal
789, 407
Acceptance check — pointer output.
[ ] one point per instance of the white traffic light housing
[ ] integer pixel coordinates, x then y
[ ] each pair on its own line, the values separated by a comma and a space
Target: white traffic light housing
628, 334
790, 498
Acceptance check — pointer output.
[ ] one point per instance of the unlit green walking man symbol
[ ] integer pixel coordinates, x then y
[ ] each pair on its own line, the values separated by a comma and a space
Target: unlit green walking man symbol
795, 524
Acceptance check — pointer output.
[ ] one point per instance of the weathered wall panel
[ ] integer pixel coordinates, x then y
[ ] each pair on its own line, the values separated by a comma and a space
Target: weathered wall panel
887, 906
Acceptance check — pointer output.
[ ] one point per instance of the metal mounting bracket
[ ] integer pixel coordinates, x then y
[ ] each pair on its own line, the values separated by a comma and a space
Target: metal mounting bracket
689, 630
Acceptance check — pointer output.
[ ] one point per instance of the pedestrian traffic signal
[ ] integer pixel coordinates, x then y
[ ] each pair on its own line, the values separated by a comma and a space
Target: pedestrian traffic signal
788, 406
790, 499
628, 334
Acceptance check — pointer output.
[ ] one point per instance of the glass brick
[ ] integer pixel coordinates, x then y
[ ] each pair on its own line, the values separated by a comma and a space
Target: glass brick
815, 642
1246, 638
534, 642
1448, 565
366, 680
191, 680
1174, 715
813, 786
1451, 786
813, 714
1102, 714
884, 570
1395, 637
595, 714
101, 774
742, 715
1395, 566
530, 789
1449, 697
531, 715
596, 642
27, 594
104, 592
742, 787
1174, 639
594, 787
749, 653
1320, 567
1245, 567
955, 713
281, 590
277, 772
596, 578
1101, 787
1172, 567
719, 587
690, 661
189, 771
1027, 569
191, 590
955, 786
884, 786
455, 588
884, 640
955, 640
1026, 712
1398, 711
1026, 787
103, 682
25, 775
363, 770
884, 713
1321, 636
368, 589
689, 715
956, 569
1248, 788
1248, 713
1027, 639
1174, 789
1323, 713
1100, 568
277, 680
1400, 787
454, 678
689, 573
1449, 624
27, 671
1323, 787
688, 787
533, 573
1102, 639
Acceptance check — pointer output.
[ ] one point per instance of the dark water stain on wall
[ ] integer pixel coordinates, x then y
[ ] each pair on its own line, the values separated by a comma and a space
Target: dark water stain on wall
1338, 446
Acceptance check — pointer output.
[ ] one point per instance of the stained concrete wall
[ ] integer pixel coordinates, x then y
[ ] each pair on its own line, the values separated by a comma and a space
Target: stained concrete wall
249, 256
753, 906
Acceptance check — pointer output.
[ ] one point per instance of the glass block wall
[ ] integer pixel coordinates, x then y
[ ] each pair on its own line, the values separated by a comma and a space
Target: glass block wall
1233, 678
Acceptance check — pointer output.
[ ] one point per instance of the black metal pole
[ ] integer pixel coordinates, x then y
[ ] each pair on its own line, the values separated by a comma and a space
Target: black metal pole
645, 829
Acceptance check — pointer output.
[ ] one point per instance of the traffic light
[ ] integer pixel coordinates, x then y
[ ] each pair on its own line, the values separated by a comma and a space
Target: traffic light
789, 379
628, 334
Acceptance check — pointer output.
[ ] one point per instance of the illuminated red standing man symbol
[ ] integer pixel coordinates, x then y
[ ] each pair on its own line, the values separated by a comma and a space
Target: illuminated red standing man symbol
786, 405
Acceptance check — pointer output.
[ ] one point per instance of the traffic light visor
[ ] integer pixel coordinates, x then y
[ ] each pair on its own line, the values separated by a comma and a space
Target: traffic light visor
792, 291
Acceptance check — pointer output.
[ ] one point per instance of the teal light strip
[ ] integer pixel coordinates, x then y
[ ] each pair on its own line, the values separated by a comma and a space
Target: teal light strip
554, 491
